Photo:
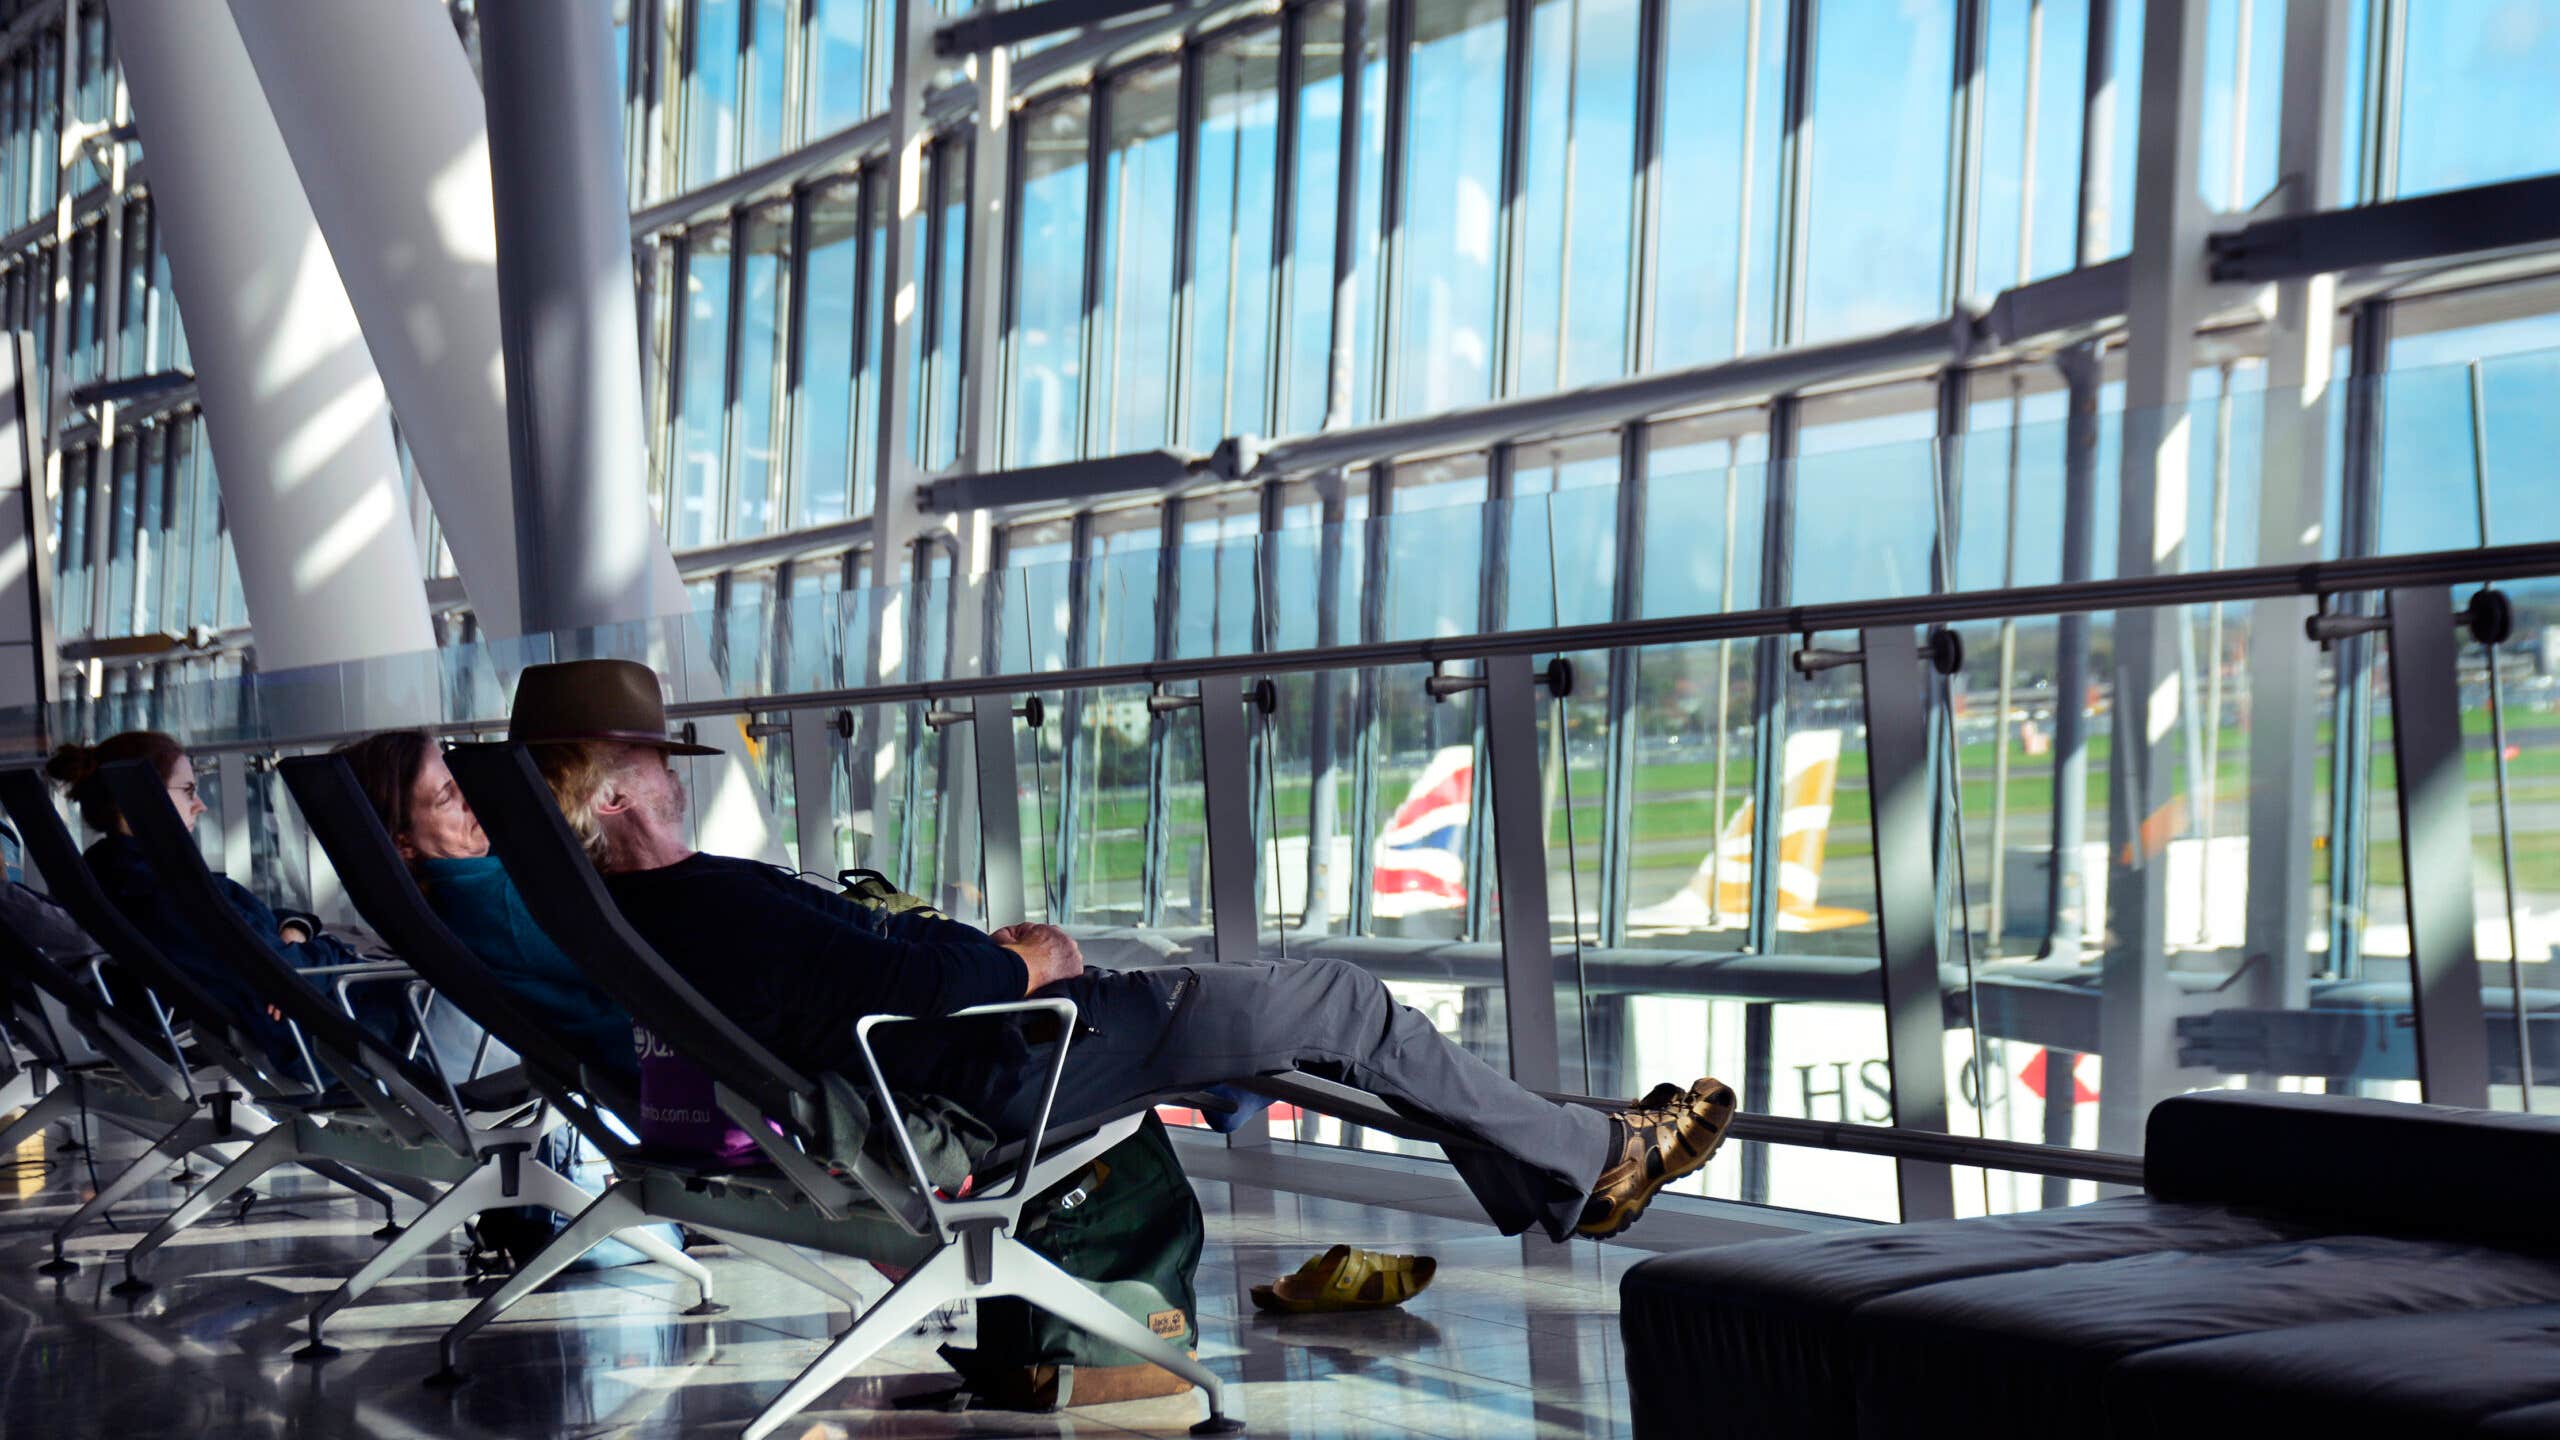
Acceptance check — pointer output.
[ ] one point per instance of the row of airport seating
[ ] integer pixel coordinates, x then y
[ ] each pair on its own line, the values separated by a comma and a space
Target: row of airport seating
836, 1174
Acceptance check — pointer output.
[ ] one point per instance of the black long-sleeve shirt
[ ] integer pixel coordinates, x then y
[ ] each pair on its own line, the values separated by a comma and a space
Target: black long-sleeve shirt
135, 888
795, 967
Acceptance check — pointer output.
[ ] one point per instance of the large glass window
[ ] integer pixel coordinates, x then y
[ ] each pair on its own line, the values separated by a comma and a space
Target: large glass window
1561, 565
71, 553
2035, 57
122, 518
1433, 564
90, 100
1219, 578
1865, 509
1578, 202
838, 46
84, 345
1317, 167
1877, 222
1048, 285
2473, 72
1120, 593
1452, 199
768, 79
701, 392
151, 514
711, 91
1133, 308
209, 545
1720, 145
833, 319
946, 272
1231, 271
133, 320
2243, 94
764, 300
179, 543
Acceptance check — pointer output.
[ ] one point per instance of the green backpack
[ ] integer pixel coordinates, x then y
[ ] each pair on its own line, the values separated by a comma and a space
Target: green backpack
1130, 1228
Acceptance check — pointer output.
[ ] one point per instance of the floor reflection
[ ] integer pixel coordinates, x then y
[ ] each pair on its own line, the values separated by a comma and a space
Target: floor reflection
1497, 1346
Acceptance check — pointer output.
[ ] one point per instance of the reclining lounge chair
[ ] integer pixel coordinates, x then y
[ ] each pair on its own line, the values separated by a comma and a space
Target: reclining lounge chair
823, 1188
582, 1088
97, 1066
463, 1147
210, 1112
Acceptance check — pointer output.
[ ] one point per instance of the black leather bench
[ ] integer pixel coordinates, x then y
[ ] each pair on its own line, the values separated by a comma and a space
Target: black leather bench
2297, 1265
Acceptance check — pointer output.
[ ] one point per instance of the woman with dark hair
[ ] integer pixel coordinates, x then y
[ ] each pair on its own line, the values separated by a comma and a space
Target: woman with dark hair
130, 882
403, 773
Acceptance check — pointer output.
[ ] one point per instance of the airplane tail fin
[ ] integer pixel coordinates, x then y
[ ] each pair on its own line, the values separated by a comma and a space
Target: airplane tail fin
1720, 890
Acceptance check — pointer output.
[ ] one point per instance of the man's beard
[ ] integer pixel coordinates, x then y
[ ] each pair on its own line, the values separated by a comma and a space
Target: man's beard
670, 808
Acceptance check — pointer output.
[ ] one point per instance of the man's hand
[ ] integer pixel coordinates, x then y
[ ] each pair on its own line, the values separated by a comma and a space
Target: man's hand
1049, 953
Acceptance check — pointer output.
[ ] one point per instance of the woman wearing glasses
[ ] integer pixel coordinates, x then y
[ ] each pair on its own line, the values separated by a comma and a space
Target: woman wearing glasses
127, 877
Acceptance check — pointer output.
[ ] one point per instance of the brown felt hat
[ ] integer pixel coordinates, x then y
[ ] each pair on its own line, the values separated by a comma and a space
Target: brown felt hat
609, 700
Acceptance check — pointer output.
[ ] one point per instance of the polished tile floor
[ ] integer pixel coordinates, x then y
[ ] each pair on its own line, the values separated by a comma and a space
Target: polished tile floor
1510, 1342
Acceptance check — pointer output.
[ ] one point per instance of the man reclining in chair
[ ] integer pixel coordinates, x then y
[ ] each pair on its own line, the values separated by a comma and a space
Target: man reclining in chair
796, 968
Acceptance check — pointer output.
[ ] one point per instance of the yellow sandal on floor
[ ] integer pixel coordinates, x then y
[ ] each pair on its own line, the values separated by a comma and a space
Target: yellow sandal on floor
1343, 1279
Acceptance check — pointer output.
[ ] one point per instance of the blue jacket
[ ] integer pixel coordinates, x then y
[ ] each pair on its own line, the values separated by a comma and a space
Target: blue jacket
135, 887
478, 901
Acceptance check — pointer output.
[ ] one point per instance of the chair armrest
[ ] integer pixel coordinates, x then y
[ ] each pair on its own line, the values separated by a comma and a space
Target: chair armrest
1064, 1010
361, 969
348, 977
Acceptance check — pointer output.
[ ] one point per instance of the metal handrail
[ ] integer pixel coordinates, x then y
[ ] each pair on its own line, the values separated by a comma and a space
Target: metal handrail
2319, 578
2106, 1167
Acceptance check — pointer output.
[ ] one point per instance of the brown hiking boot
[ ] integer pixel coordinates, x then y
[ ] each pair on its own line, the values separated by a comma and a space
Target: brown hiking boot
1666, 1135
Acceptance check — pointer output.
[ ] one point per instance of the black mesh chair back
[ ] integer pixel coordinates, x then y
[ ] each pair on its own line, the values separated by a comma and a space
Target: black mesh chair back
82, 1006
68, 879
385, 893
144, 803
568, 899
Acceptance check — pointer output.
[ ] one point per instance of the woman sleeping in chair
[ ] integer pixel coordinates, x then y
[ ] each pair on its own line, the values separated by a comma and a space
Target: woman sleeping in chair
134, 887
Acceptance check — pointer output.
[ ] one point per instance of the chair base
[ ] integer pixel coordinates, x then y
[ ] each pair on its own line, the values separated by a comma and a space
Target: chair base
1219, 1425
58, 1267
130, 1285
318, 1350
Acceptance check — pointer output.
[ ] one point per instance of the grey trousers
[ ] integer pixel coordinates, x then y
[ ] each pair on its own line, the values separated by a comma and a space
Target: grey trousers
1143, 1032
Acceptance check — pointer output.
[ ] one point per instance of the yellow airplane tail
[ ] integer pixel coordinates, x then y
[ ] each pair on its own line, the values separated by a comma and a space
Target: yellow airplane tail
1719, 892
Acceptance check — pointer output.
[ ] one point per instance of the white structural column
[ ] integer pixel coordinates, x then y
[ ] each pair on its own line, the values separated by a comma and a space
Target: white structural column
378, 105
591, 561
979, 328
293, 407
589, 551
2284, 669
27, 656
2145, 809
898, 522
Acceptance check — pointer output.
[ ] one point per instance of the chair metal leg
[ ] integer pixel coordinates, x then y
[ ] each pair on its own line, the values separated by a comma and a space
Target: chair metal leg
181, 1140
792, 1262
943, 1278
53, 1105
548, 1188
477, 1192
274, 1148
613, 1210
1023, 1272
364, 1187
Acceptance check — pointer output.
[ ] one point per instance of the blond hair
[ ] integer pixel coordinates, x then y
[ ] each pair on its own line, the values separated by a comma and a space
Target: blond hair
577, 773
